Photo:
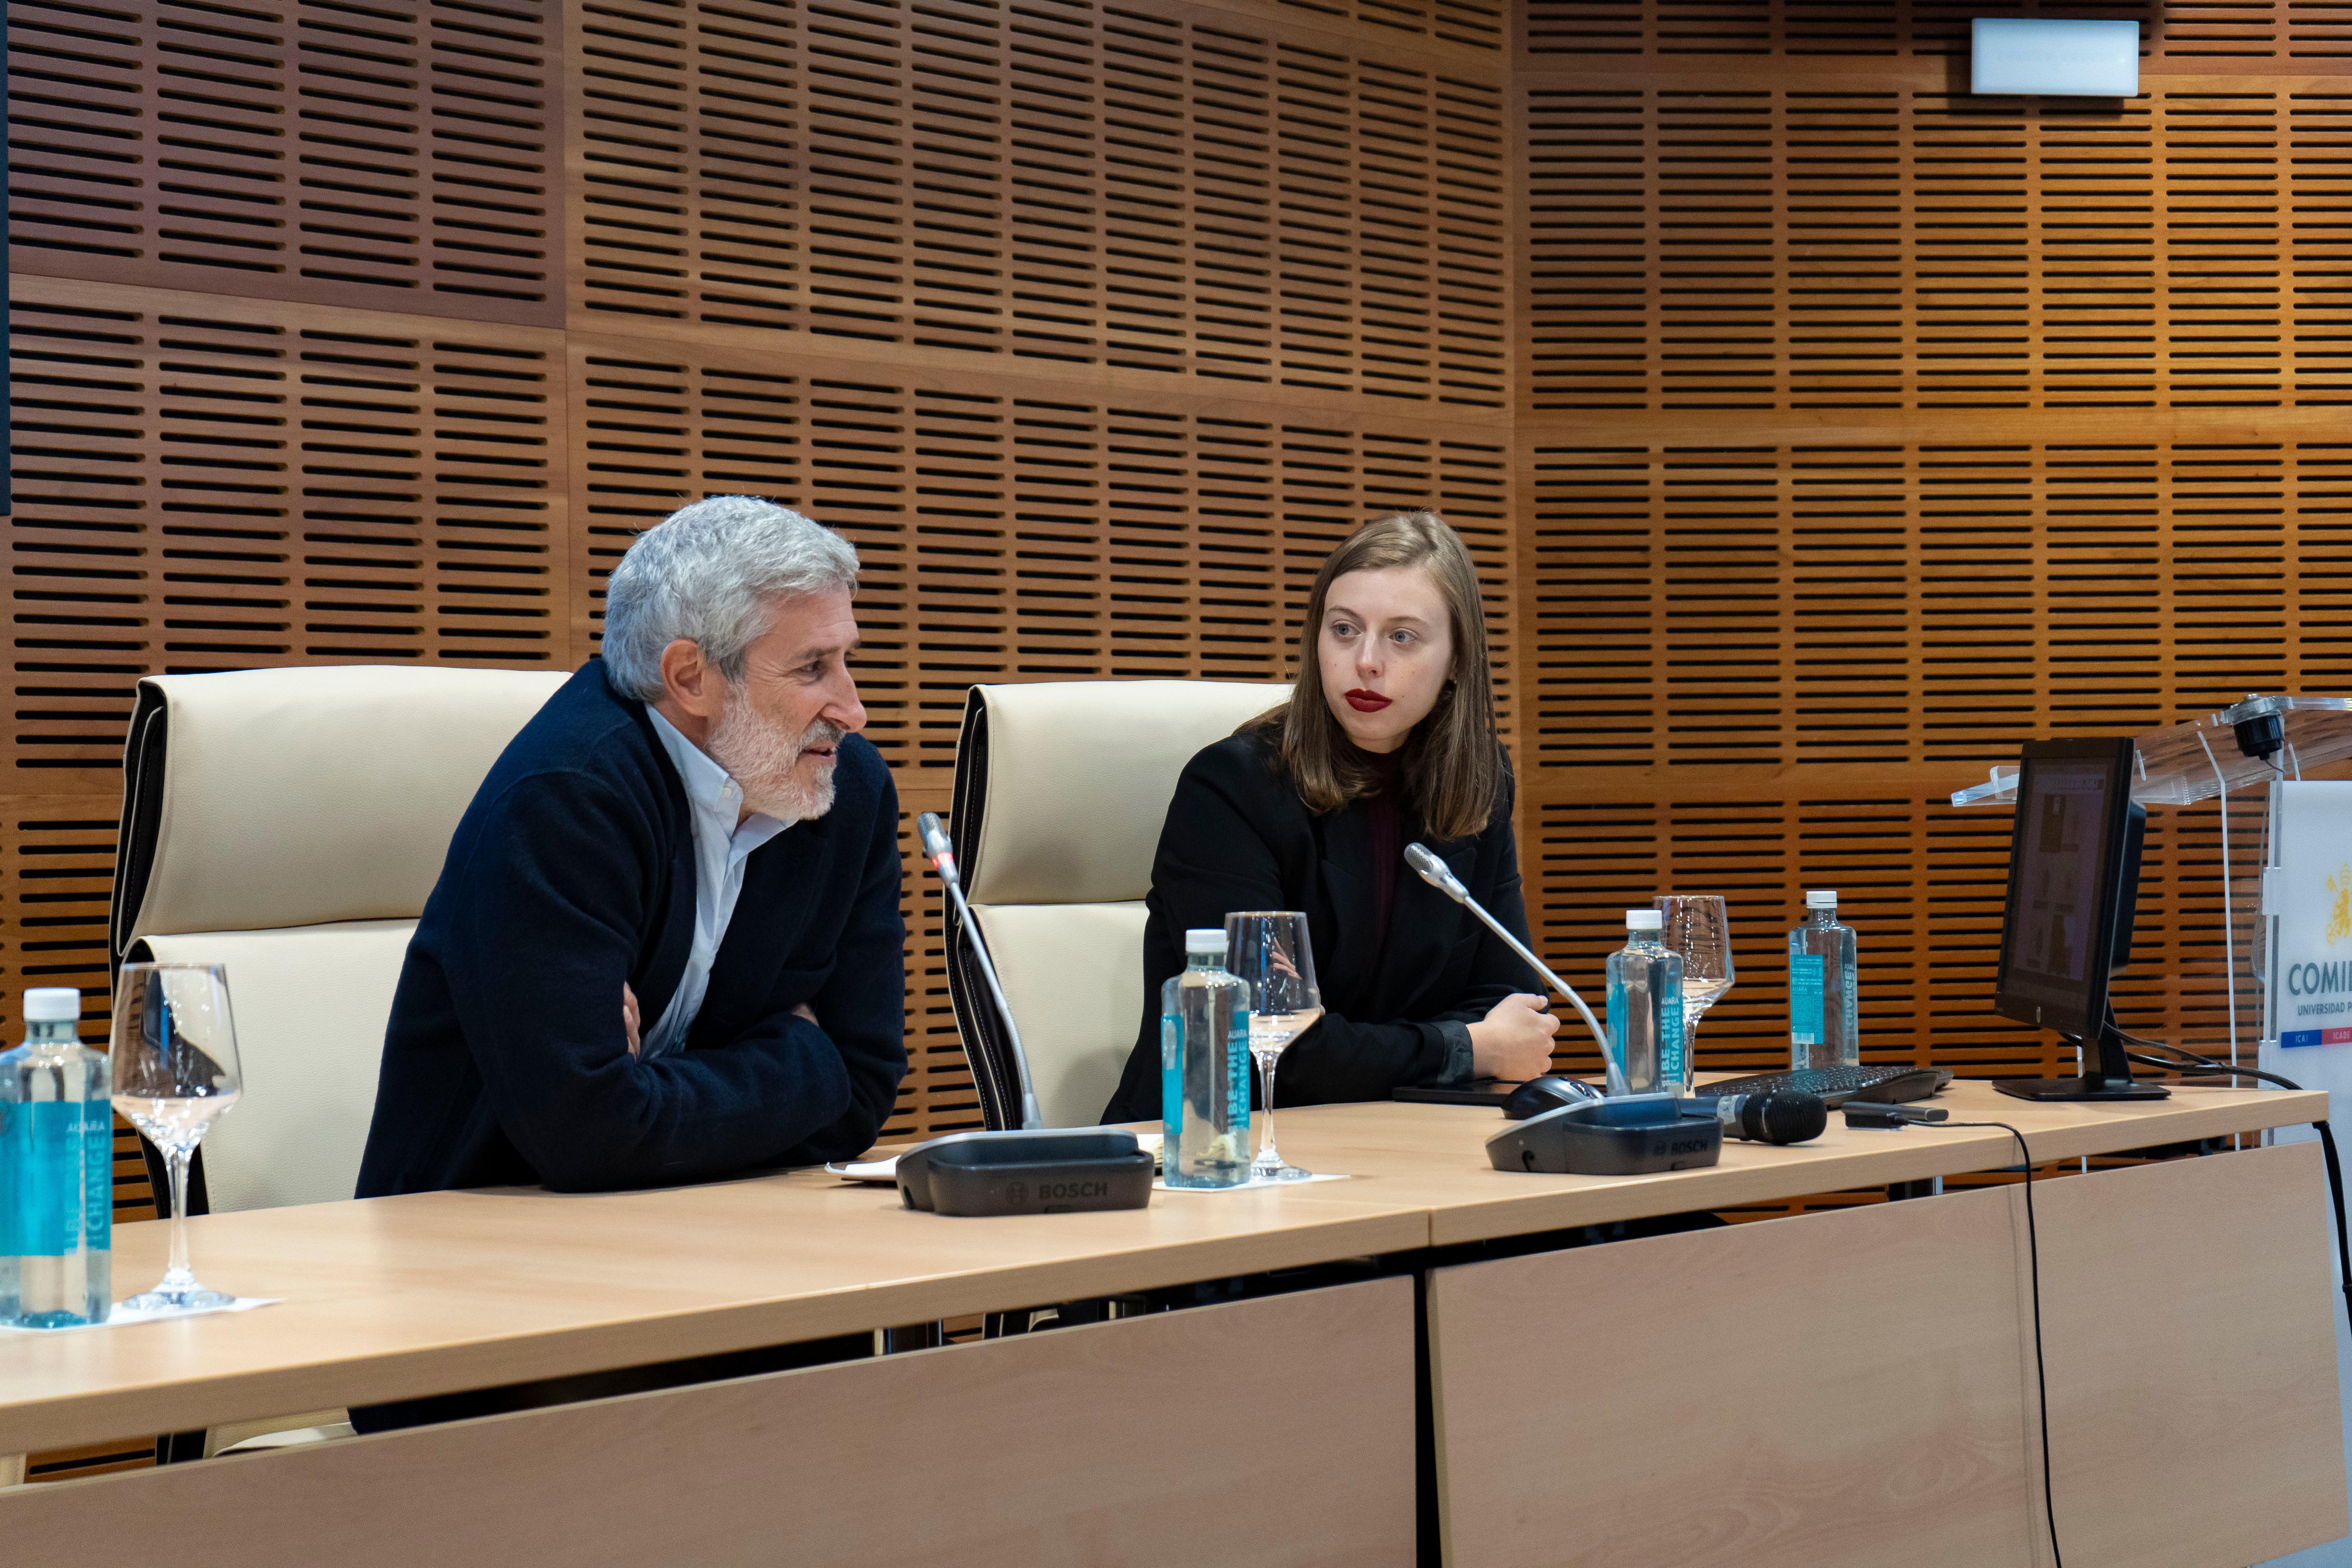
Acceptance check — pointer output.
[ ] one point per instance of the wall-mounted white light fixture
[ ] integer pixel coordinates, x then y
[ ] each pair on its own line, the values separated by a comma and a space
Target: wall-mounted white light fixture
2043, 55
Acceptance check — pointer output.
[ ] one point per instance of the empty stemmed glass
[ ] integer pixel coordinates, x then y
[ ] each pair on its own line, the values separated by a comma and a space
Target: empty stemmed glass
174, 1066
1268, 951
1699, 927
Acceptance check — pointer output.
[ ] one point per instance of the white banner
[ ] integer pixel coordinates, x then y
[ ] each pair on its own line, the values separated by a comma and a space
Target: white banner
2307, 923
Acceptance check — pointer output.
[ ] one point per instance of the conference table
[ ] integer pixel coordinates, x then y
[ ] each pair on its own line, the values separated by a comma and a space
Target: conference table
1429, 1358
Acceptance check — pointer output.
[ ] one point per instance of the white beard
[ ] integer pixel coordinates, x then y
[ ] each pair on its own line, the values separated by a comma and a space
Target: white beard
767, 762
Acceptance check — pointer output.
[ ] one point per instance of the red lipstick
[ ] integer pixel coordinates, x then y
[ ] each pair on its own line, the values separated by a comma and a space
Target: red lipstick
1364, 702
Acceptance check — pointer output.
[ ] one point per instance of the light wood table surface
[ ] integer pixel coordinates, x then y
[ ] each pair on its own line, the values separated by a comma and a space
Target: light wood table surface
1433, 1156
396, 1298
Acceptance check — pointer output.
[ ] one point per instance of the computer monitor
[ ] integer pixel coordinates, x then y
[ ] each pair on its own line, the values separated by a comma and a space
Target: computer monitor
2074, 883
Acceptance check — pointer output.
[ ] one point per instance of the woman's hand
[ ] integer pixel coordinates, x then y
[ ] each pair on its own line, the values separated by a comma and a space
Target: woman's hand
1513, 1041
629, 1016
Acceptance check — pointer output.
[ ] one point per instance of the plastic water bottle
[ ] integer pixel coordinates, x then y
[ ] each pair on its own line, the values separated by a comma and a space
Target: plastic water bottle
56, 1172
1645, 1007
1824, 1025
1204, 1070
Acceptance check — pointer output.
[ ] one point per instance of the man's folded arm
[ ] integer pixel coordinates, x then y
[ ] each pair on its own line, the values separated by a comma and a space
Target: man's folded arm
542, 940
862, 1005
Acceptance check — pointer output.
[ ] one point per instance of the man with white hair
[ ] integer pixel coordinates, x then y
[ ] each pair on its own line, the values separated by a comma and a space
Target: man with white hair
666, 945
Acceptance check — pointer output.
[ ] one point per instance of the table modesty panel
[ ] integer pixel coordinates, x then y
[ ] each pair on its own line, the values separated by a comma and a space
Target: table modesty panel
1058, 1447
1851, 1389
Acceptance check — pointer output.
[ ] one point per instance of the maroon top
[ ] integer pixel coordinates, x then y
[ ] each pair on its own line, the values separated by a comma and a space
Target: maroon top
1384, 817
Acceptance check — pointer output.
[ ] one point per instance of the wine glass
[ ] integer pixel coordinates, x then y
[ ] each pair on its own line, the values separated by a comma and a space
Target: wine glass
1268, 951
1699, 927
175, 1066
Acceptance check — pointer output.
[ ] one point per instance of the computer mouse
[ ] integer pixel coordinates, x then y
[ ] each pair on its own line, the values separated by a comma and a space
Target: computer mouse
1538, 1095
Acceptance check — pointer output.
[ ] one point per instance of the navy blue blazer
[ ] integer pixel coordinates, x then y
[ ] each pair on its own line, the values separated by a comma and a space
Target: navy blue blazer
507, 1062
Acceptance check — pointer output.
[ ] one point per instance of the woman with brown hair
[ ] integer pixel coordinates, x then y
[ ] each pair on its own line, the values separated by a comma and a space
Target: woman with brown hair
1388, 737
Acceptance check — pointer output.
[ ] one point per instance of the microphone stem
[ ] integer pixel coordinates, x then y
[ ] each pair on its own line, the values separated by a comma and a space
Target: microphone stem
1029, 1115
1617, 1084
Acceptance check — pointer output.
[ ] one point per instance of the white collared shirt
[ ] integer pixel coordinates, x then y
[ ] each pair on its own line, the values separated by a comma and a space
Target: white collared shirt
714, 802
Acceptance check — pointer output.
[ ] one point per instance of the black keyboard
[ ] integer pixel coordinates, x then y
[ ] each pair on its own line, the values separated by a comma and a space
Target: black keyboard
1880, 1084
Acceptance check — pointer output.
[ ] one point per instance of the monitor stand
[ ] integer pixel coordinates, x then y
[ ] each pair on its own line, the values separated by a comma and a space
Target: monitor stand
2112, 1081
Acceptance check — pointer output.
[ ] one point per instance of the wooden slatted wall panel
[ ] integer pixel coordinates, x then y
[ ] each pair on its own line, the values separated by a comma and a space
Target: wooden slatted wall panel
1721, 247
2205, 34
1868, 429
378, 156
1170, 188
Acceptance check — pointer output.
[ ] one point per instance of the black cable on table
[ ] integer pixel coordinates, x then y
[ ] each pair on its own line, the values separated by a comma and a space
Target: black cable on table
2041, 1383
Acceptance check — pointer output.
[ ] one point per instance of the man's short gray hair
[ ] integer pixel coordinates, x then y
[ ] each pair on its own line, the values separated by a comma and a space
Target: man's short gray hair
706, 573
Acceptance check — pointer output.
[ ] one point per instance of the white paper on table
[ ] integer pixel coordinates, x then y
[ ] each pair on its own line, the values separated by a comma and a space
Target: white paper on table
887, 1170
123, 1317
1257, 1185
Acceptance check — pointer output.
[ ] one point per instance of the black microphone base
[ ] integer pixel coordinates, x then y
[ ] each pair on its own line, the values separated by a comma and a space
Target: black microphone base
1623, 1137
1058, 1170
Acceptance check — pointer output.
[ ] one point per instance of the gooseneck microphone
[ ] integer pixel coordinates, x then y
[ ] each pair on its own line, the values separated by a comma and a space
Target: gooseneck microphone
1438, 875
1786, 1116
941, 855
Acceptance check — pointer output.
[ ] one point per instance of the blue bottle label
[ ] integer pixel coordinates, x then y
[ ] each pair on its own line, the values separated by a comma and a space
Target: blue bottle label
1172, 1086
1238, 1071
57, 1178
98, 1176
1670, 1076
1614, 1012
1804, 999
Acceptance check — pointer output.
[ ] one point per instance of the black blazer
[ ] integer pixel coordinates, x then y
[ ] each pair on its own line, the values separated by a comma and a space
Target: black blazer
1239, 838
507, 1062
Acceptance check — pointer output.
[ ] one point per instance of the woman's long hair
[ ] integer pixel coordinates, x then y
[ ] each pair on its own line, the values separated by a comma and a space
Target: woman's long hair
1452, 769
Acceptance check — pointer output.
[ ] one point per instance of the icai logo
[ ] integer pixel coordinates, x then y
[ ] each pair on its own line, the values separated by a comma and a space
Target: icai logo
2340, 919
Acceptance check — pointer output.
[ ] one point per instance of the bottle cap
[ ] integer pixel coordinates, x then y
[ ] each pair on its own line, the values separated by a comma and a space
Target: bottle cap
1820, 898
1644, 920
1208, 939
53, 1004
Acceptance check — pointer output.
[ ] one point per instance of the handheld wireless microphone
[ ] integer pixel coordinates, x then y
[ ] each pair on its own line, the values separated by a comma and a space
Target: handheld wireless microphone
941, 855
1438, 875
1864, 1113
1787, 1116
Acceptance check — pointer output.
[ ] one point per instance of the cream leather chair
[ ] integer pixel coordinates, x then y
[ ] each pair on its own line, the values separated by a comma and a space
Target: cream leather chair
288, 824
1060, 790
